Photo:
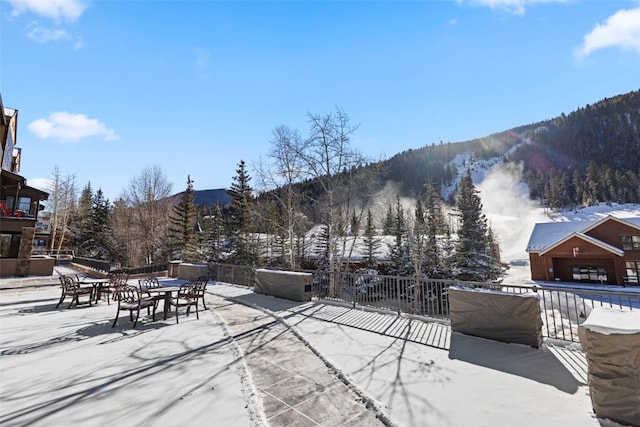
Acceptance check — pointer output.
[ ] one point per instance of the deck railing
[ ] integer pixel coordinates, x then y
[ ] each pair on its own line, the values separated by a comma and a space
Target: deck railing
562, 309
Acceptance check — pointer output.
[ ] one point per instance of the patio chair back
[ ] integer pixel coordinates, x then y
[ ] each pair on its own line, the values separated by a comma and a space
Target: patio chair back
148, 282
199, 287
127, 294
129, 298
118, 278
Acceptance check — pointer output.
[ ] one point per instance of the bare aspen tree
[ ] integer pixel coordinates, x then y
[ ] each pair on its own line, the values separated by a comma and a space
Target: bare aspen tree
327, 153
280, 176
146, 196
62, 198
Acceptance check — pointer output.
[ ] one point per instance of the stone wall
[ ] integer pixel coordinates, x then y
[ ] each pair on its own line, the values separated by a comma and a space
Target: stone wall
24, 252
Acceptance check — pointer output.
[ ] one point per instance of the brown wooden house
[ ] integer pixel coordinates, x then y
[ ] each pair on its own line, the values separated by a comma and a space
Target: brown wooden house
606, 251
19, 207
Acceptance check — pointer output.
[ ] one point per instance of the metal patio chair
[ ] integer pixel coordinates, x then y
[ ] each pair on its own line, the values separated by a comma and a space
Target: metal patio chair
150, 283
187, 296
130, 298
70, 287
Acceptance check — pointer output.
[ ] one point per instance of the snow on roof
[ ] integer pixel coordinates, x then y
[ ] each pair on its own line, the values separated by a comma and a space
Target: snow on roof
589, 239
607, 321
548, 234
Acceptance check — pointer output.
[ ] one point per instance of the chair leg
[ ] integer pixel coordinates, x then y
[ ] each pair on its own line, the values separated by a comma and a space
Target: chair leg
116, 319
203, 303
137, 315
177, 314
197, 316
61, 299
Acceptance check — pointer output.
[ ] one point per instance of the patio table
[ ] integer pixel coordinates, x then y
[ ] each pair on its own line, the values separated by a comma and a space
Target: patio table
163, 289
95, 283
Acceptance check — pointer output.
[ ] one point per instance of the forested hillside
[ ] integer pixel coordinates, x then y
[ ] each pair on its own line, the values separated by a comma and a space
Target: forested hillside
588, 156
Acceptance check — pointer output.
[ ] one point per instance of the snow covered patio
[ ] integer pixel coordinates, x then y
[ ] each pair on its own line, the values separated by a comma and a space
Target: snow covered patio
241, 365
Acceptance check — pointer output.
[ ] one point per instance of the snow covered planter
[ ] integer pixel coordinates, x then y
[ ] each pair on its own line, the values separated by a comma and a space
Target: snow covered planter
612, 344
284, 284
497, 315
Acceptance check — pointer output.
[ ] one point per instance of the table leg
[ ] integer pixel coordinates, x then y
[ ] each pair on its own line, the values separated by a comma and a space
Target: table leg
167, 299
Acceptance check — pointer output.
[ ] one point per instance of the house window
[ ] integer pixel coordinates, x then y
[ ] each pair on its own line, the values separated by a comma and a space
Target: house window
24, 204
9, 245
633, 271
631, 243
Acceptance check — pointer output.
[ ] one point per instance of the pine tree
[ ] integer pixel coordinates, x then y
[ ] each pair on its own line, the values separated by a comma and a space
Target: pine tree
398, 254
387, 225
241, 217
323, 247
215, 233
417, 243
370, 242
100, 210
473, 261
81, 224
435, 225
182, 226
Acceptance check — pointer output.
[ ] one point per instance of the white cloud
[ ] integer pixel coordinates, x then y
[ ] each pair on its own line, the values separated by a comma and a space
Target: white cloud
43, 35
622, 29
58, 10
517, 7
65, 126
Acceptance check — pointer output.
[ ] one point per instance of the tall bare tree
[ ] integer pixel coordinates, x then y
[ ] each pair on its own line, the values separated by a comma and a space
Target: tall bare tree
61, 202
280, 176
147, 198
326, 154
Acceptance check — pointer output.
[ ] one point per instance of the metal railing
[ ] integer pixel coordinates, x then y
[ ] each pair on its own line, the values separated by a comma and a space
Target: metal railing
230, 273
146, 269
94, 264
562, 310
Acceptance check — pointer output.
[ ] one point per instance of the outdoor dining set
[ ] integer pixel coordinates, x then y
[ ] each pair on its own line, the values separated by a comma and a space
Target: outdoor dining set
146, 295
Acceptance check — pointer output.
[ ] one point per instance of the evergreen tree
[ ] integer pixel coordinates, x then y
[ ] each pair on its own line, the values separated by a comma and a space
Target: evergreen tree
387, 225
473, 261
400, 264
416, 242
355, 224
100, 210
323, 248
370, 242
435, 224
182, 226
215, 233
244, 251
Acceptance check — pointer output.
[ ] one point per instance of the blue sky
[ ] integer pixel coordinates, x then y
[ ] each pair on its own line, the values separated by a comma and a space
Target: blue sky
107, 88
